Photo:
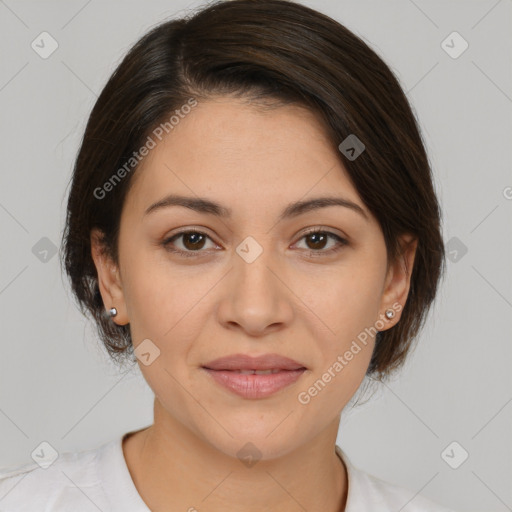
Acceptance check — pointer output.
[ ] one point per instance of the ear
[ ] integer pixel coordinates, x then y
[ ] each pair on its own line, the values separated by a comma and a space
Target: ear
109, 279
398, 281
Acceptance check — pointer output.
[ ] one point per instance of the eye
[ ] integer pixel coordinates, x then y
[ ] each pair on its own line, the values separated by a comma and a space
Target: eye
192, 242
317, 240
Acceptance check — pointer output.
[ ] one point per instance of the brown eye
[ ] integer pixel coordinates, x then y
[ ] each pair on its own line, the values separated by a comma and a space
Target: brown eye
192, 243
316, 242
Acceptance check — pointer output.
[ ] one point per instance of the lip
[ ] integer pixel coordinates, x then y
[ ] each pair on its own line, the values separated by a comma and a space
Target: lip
226, 371
246, 362
255, 386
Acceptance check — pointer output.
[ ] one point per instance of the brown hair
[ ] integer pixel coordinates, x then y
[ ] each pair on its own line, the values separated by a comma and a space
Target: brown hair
287, 53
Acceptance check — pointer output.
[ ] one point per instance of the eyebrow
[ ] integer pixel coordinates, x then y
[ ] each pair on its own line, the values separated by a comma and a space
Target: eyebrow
203, 205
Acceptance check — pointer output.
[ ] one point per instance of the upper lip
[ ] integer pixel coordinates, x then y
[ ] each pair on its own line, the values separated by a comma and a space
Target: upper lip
245, 362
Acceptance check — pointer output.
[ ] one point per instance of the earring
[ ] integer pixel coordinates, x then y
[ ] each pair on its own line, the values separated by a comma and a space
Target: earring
112, 312
390, 313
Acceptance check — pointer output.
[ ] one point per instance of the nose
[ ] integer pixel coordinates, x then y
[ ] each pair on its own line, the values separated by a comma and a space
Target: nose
255, 295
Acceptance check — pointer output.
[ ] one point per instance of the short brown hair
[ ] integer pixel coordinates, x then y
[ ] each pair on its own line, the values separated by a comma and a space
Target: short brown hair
284, 52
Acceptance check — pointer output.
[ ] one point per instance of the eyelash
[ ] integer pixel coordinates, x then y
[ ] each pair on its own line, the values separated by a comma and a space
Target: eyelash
187, 254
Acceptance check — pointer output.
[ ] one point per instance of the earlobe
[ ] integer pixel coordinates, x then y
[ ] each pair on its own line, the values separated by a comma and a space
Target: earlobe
109, 280
398, 281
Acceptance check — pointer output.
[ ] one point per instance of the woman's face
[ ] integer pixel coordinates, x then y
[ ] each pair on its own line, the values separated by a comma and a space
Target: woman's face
253, 281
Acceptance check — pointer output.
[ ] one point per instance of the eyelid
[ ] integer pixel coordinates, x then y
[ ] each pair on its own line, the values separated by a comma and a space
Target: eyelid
324, 229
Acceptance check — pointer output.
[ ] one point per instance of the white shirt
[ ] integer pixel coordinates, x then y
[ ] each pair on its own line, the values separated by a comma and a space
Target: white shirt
99, 480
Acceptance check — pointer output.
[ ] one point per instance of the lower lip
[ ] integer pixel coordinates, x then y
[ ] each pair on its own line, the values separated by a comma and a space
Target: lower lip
253, 385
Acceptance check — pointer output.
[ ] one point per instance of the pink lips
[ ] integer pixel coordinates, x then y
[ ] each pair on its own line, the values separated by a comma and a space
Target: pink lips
237, 373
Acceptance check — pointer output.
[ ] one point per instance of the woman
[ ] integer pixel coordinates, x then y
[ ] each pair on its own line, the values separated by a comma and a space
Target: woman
252, 220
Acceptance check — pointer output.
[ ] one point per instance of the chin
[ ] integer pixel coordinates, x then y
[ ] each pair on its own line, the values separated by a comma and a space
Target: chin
251, 450
255, 438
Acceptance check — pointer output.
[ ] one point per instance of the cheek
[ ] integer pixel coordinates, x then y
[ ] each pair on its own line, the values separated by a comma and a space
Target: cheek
346, 307
154, 297
345, 302
165, 304
344, 351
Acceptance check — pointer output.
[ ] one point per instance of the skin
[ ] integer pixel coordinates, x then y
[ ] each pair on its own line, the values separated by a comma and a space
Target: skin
292, 300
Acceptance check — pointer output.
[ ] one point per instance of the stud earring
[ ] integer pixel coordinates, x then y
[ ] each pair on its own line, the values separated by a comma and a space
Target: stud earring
112, 312
390, 313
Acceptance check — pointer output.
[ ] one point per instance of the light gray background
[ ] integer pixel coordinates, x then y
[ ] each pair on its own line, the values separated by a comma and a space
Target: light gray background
56, 383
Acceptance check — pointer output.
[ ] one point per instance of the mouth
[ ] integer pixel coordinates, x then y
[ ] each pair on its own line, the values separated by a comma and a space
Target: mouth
254, 377
255, 384
244, 362
256, 372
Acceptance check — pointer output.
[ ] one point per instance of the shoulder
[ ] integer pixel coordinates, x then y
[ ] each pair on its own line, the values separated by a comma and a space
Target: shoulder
71, 482
367, 492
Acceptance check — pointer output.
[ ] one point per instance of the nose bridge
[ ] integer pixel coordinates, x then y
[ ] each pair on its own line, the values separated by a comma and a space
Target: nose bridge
251, 266
256, 298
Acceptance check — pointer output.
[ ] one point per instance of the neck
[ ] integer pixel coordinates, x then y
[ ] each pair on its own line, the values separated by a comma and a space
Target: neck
172, 468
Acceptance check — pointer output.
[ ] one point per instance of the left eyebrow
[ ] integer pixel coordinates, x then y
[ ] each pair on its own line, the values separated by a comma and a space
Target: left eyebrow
203, 205
300, 207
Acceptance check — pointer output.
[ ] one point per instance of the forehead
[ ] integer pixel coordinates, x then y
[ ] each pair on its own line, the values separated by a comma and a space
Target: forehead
245, 157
